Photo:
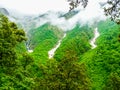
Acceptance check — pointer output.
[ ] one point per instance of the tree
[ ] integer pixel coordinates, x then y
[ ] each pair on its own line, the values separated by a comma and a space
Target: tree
113, 82
67, 74
26, 60
10, 36
113, 10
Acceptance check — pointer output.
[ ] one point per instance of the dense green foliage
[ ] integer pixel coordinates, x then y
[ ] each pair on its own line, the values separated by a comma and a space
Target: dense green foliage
10, 35
104, 60
65, 75
11, 73
77, 41
43, 39
28, 75
75, 65
68, 73
113, 82
44, 32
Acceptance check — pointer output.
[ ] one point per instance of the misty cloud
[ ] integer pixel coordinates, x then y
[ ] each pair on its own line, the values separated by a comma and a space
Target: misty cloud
93, 13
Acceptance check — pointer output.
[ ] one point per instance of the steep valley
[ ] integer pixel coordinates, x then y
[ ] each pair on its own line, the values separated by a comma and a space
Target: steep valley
84, 57
77, 44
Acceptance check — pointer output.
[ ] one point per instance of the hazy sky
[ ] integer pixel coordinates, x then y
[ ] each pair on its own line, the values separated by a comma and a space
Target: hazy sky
41, 6
35, 6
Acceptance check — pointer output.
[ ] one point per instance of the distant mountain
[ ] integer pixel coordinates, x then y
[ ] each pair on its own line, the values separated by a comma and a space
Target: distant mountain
59, 14
42, 39
4, 11
28, 22
70, 14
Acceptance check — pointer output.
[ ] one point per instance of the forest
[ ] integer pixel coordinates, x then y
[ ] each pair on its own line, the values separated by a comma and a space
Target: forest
75, 65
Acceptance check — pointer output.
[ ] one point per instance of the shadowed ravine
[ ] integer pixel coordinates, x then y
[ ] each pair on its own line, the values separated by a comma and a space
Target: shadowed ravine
52, 51
93, 40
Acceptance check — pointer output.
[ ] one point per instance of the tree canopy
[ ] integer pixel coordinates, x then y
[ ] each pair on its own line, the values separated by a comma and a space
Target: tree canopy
10, 35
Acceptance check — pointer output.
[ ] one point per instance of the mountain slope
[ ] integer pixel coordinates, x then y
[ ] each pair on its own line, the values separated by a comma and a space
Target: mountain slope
76, 41
43, 39
103, 61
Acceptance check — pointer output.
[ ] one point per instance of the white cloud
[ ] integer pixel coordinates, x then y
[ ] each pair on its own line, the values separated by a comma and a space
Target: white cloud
92, 14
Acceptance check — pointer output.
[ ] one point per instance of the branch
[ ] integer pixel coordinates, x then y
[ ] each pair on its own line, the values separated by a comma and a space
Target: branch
75, 3
113, 10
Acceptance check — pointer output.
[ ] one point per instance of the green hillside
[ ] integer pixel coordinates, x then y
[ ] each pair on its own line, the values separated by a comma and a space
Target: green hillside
43, 39
103, 62
77, 41
75, 66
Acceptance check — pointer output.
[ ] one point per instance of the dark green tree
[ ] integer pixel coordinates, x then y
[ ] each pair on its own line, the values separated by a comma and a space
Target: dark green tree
10, 36
26, 60
67, 74
14, 74
113, 82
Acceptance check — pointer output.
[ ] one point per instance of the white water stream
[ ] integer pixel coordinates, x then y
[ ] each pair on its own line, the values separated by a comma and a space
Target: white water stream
93, 40
30, 51
52, 51
28, 47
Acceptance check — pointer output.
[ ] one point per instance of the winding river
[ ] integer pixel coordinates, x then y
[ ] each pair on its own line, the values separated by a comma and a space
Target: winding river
52, 51
93, 40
